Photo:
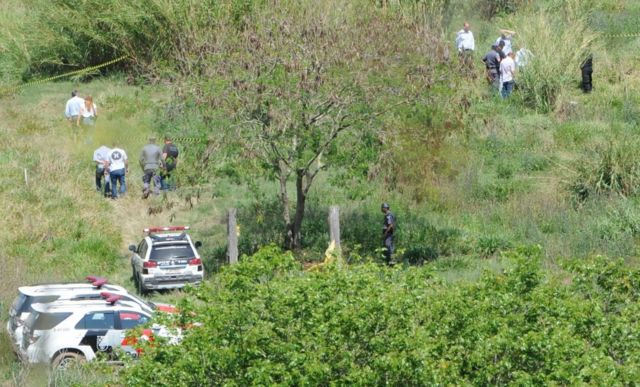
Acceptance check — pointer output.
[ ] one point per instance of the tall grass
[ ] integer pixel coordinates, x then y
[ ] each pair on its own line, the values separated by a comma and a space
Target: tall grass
559, 40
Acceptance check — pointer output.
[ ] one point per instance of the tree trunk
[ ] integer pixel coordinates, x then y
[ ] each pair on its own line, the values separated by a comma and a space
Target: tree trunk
284, 200
301, 198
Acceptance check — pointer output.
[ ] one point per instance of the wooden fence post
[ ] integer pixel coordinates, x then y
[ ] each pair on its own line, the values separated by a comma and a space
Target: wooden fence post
334, 225
232, 237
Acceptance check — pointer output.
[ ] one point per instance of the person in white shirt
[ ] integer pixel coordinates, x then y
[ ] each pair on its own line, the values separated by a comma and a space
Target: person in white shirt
507, 74
466, 45
88, 112
118, 168
523, 56
72, 109
101, 158
506, 36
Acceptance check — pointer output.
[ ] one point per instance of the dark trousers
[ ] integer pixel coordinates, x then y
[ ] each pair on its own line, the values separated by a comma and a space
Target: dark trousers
586, 80
389, 247
151, 175
101, 176
493, 77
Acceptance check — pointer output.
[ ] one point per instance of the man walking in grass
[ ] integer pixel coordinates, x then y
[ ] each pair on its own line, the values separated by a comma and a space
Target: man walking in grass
151, 162
118, 168
170, 158
507, 74
101, 158
388, 227
73, 107
492, 63
466, 46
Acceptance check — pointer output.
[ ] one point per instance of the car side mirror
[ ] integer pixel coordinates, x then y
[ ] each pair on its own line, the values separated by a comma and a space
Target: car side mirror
133, 248
198, 244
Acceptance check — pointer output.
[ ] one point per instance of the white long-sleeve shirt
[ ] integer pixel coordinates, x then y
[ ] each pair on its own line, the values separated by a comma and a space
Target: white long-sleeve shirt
507, 44
507, 69
465, 41
74, 105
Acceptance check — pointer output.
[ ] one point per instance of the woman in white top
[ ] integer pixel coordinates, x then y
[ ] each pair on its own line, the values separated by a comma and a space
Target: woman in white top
88, 112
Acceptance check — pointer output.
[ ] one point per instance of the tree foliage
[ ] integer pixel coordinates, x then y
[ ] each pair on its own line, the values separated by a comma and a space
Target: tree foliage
265, 322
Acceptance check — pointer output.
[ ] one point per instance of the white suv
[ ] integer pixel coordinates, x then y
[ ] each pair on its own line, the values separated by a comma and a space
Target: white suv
65, 331
22, 306
166, 259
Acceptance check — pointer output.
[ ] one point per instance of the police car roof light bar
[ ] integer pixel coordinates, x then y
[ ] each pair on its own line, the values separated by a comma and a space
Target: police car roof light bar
169, 228
113, 299
98, 282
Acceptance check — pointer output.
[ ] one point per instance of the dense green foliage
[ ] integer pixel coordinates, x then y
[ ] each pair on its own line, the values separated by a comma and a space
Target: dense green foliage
266, 322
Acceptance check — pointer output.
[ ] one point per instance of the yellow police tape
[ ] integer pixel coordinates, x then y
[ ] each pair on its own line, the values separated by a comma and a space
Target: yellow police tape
178, 140
13, 89
623, 35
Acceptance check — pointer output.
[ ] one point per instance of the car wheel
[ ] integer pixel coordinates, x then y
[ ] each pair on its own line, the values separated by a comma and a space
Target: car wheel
140, 287
65, 360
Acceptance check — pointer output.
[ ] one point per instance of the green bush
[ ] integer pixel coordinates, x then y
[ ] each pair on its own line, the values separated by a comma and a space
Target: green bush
370, 325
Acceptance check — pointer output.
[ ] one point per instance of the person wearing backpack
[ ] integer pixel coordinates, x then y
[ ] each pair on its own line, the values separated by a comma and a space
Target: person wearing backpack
170, 156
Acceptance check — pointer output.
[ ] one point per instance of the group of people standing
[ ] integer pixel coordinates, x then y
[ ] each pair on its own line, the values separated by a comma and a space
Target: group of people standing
112, 166
500, 62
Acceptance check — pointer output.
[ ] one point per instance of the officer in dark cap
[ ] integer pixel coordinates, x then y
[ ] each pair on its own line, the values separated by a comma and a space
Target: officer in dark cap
388, 227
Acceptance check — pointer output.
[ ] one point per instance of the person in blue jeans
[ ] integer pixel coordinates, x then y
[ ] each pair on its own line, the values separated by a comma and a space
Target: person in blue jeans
118, 168
507, 74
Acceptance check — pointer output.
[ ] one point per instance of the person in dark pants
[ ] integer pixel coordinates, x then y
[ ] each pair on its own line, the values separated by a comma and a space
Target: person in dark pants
101, 158
388, 227
587, 71
492, 63
151, 162
170, 156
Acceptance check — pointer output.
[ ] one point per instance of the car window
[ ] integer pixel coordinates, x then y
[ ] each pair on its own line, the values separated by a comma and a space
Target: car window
17, 303
142, 249
45, 321
97, 320
160, 253
129, 320
28, 301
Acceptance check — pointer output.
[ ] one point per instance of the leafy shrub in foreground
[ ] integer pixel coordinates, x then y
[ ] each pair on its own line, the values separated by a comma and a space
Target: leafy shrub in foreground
369, 325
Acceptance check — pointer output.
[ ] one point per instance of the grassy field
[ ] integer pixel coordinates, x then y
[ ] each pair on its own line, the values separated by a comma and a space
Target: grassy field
562, 175
57, 227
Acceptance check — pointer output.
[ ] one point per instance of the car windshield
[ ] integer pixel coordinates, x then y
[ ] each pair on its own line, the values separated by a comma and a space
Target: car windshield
163, 252
149, 304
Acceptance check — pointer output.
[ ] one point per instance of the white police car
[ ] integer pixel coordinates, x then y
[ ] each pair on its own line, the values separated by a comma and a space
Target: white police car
43, 294
62, 332
166, 259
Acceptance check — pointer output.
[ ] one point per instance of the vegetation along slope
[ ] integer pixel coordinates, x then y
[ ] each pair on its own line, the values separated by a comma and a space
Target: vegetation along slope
518, 219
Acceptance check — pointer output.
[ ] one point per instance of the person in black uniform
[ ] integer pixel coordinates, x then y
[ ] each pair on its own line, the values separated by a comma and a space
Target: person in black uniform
170, 156
587, 71
388, 227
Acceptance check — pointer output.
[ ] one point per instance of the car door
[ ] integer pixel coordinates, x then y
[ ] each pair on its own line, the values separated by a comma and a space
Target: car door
139, 255
128, 320
100, 333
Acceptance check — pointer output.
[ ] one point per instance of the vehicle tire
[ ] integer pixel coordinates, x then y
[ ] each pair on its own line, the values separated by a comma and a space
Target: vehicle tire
139, 287
66, 359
